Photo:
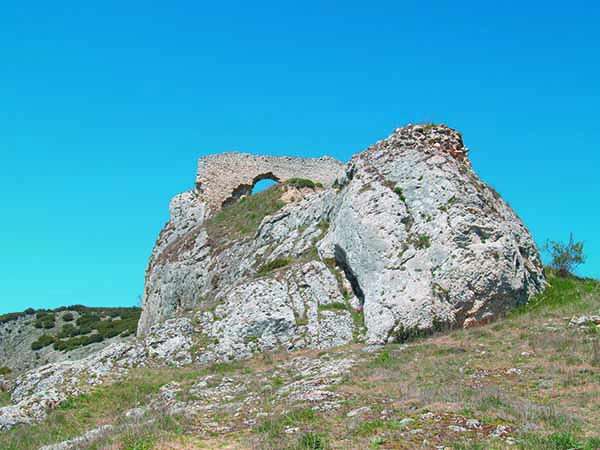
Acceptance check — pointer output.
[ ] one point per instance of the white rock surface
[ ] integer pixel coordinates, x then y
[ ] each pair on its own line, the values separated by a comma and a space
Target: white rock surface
427, 242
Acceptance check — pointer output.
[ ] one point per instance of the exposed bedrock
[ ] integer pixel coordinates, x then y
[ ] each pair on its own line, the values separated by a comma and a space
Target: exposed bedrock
405, 233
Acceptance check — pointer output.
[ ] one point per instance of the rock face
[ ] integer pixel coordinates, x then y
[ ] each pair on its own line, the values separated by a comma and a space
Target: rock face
427, 243
407, 234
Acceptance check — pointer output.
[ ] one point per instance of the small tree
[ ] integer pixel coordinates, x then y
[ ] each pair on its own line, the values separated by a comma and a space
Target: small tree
565, 257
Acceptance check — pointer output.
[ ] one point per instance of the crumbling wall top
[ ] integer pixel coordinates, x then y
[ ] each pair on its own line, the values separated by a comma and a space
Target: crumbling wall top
223, 178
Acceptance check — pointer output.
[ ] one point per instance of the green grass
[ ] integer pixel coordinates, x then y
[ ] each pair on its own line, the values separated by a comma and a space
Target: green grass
300, 183
4, 398
335, 306
560, 292
369, 427
311, 441
423, 241
146, 437
558, 441
85, 411
273, 427
274, 265
226, 367
241, 219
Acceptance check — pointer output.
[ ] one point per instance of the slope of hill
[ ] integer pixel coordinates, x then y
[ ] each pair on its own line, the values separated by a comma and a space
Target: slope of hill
528, 381
32, 338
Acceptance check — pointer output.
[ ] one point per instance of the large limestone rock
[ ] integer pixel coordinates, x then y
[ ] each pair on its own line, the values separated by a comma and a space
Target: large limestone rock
410, 234
425, 241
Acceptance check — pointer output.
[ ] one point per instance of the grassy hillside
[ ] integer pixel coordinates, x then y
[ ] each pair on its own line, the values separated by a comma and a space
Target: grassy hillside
529, 381
36, 337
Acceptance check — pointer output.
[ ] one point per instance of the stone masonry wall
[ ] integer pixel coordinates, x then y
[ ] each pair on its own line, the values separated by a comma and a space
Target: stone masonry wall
225, 177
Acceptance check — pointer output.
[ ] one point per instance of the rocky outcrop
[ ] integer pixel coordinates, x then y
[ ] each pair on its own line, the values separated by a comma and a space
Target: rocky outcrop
408, 234
290, 312
427, 243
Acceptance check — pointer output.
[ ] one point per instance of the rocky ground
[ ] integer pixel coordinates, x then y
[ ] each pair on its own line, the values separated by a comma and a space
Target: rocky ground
527, 381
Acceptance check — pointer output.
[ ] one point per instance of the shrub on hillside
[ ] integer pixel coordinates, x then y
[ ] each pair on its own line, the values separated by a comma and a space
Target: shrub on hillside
76, 342
45, 319
68, 317
5, 318
69, 330
565, 257
273, 265
43, 341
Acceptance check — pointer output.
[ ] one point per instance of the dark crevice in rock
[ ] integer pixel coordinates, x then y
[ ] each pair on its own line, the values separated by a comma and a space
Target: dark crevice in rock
342, 261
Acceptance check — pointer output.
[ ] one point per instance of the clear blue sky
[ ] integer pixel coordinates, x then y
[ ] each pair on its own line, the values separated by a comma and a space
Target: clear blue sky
104, 110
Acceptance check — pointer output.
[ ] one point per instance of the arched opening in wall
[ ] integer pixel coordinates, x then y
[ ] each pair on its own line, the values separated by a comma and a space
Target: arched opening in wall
248, 189
263, 181
262, 185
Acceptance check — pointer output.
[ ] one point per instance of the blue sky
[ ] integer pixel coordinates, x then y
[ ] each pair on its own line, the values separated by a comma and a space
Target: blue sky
105, 108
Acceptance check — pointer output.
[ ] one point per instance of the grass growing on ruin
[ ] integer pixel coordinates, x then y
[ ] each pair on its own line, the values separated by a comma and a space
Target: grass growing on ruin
242, 219
300, 183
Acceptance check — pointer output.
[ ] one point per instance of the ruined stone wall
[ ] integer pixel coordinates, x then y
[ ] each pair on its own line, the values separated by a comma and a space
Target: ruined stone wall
225, 177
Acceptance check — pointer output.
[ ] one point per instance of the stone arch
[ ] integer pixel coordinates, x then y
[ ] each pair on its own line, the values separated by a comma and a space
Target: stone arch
246, 189
223, 178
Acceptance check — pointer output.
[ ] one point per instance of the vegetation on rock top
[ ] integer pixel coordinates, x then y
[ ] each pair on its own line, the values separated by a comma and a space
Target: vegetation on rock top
242, 219
300, 183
